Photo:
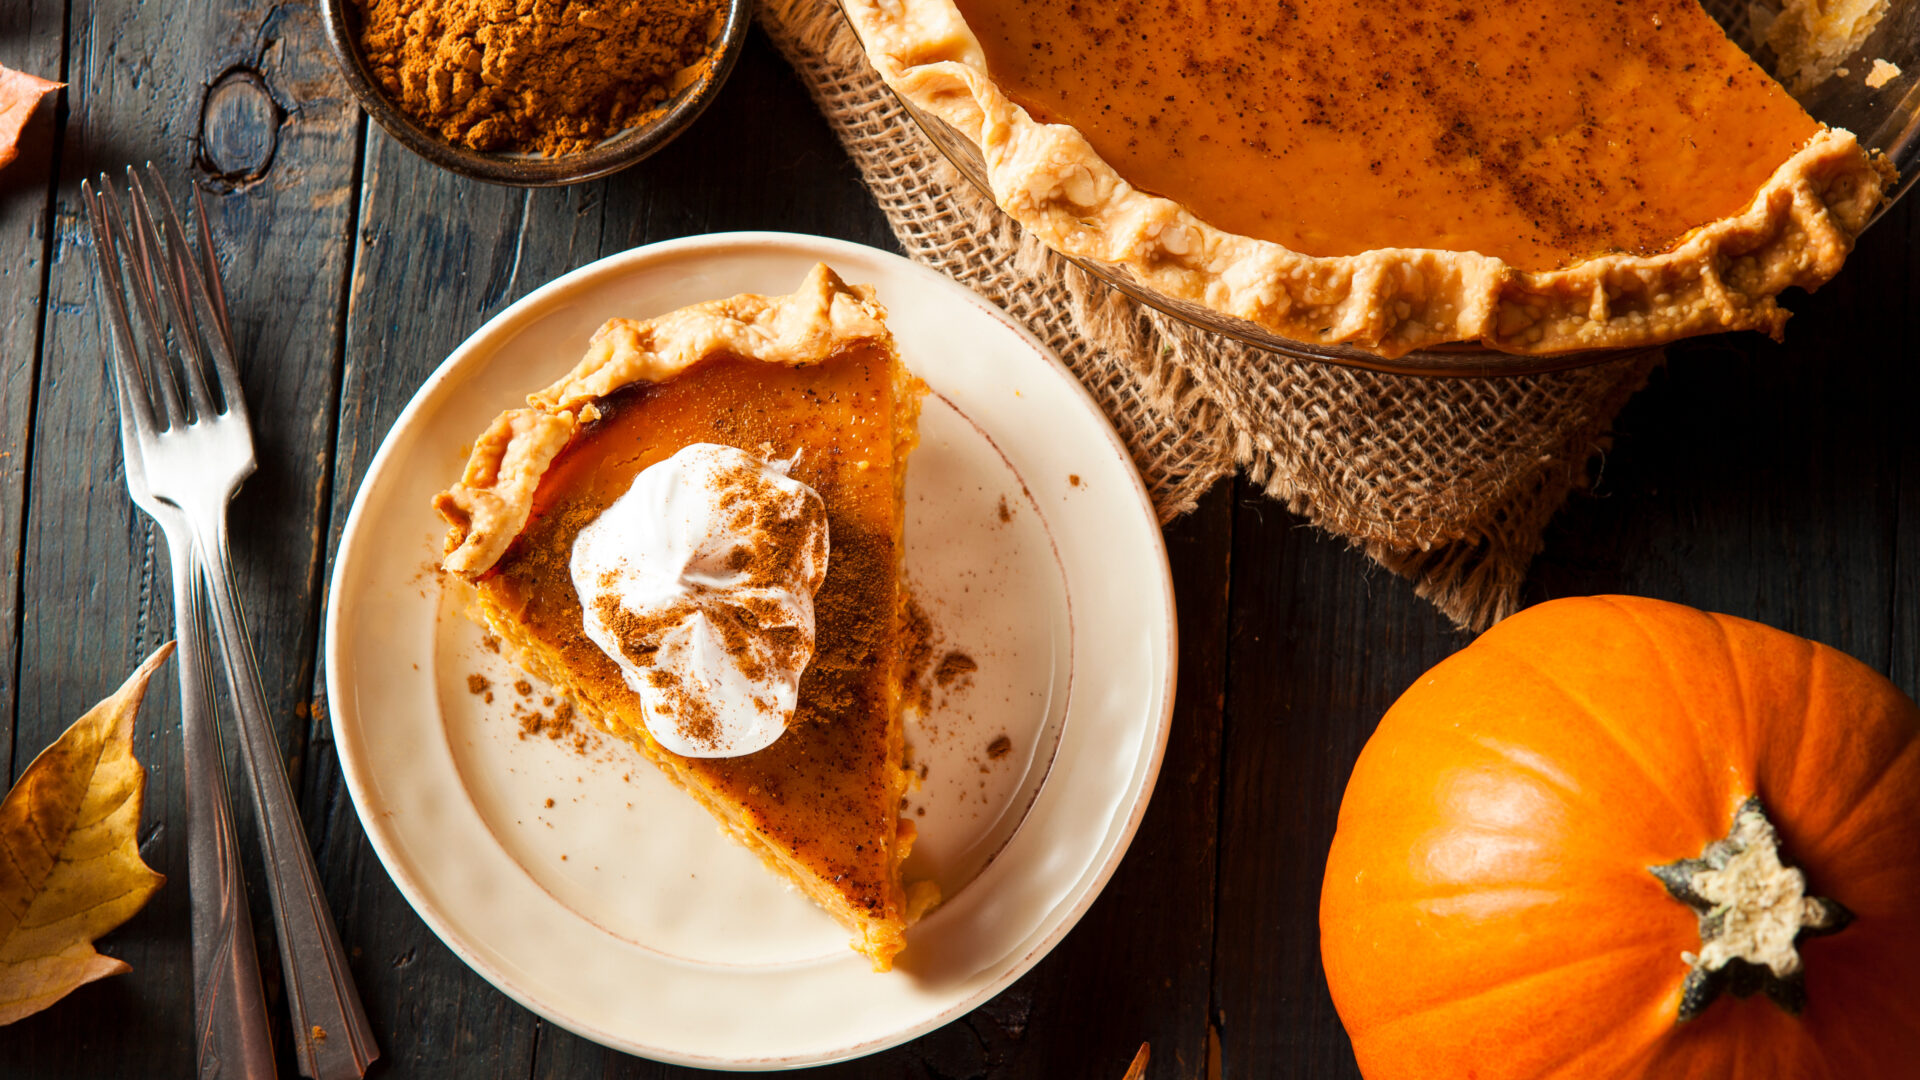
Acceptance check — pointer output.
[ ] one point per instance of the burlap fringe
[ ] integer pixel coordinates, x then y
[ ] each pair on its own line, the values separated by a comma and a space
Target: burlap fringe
1448, 482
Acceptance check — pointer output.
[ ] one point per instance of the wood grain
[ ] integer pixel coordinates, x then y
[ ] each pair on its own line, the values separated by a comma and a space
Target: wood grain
93, 583
1322, 641
29, 41
1901, 384
94, 566
435, 256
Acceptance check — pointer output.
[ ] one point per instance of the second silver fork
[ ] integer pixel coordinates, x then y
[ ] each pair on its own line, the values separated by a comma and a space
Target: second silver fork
230, 1019
194, 452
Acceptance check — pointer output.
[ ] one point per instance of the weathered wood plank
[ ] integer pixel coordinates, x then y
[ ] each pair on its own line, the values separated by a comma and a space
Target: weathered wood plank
94, 585
435, 255
1902, 384
1767, 482
30, 41
1322, 641
277, 145
89, 565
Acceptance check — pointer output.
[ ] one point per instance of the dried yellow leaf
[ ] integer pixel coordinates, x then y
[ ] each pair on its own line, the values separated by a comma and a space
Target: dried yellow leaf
20, 93
1138, 1070
70, 866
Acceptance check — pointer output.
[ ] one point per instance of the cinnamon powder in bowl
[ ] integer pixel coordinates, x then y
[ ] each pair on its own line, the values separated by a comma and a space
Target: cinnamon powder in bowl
535, 92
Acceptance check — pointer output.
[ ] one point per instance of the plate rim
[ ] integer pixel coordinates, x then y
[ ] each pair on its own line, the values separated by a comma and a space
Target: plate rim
356, 772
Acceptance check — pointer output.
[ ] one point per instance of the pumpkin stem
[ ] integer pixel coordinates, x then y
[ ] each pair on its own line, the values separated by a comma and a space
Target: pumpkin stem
1754, 910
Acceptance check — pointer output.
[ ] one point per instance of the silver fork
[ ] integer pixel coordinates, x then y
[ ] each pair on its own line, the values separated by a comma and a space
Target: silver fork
230, 1014
194, 452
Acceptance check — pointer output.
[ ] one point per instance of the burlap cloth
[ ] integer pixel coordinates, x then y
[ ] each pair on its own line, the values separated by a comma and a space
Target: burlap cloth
1449, 482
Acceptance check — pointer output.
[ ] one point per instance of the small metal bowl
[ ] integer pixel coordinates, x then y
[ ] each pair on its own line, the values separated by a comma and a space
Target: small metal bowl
342, 21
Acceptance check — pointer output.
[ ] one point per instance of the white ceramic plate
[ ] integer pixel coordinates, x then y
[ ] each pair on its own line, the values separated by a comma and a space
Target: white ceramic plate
572, 876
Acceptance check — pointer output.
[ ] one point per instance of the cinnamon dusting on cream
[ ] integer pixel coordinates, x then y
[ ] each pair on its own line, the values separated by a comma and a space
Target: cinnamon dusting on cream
700, 583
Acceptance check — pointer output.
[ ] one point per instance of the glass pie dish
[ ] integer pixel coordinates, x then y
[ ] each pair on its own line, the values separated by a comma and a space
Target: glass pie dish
1886, 118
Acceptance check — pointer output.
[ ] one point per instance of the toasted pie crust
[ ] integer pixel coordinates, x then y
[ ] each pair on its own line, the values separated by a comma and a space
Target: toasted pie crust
490, 504
1725, 275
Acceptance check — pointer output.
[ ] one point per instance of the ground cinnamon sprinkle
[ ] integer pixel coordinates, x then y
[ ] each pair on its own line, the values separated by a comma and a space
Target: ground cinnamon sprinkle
538, 76
560, 726
954, 665
916, 657
639, 638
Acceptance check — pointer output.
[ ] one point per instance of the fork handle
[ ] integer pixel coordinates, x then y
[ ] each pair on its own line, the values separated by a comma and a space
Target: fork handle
229, 1010
331, 1037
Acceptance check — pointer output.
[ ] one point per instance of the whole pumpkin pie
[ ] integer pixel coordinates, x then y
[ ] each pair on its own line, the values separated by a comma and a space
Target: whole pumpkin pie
696, 535
1538, 175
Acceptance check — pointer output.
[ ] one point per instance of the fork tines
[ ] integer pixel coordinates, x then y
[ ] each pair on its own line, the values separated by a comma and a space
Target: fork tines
182, 307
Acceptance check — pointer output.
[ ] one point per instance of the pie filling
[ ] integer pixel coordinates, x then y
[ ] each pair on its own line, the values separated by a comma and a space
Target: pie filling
1541, 176
1562, 130
810, 381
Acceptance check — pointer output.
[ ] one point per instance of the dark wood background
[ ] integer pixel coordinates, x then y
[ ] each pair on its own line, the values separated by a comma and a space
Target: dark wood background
1769, 482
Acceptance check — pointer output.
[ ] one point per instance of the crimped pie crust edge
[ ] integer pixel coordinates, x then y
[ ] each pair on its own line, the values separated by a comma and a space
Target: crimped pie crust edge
1796, 231
490, 504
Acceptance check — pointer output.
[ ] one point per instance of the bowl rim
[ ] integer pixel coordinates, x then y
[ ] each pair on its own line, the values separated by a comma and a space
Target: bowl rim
617, 152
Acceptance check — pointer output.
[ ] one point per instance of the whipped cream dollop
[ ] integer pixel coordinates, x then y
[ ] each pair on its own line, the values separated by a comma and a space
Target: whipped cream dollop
699, 582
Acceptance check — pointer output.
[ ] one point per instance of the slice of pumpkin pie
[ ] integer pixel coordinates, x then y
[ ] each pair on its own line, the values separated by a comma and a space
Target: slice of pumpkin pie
696, 535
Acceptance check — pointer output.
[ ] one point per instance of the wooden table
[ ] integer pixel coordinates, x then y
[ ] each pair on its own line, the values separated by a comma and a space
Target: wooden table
1778, 483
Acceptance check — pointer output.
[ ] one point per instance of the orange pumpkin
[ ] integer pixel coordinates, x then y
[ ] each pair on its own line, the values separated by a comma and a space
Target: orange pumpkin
1554, 858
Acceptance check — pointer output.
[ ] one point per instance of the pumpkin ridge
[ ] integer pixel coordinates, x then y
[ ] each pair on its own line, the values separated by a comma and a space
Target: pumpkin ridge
1739, 678
1872, 787
1632, 1066
1803, 761
1546, 969
1761, 761
1429, 903
1587, 709
1694, 723
1516, 756
1858, 880
1626, 872
1498, 750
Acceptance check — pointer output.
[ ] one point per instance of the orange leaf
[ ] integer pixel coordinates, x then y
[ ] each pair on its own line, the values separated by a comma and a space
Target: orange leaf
1138, 1070
70, 866
19, 93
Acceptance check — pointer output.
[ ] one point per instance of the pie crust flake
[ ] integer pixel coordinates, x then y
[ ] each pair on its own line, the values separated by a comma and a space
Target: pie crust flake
1791, 221
813, 379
